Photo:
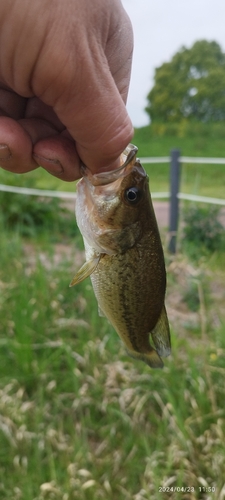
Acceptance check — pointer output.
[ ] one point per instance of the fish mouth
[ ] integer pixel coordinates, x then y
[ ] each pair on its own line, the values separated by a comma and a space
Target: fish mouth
128, 159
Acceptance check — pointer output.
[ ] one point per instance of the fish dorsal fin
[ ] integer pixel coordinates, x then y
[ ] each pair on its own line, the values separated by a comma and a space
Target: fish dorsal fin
161, 334
85, 271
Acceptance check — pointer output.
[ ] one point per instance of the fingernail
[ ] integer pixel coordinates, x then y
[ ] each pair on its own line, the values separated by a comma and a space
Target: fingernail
47, 162
5, 152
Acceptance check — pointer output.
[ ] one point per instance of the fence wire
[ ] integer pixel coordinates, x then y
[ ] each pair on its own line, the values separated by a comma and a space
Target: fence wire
155, 195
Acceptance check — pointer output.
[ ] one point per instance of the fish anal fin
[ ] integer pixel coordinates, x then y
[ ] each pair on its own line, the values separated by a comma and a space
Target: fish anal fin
151, 358
86, 270
161, 335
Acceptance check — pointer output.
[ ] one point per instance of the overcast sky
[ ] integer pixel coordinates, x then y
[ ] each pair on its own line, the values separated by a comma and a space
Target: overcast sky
161, 27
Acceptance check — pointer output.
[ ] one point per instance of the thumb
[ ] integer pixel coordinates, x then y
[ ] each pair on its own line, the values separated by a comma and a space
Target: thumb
88, 75
97, 119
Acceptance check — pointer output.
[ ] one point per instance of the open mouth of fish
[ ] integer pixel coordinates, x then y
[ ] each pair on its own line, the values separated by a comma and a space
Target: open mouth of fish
104, 178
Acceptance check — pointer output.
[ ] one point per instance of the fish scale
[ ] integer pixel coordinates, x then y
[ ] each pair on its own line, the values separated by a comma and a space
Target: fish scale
125, 257
122, 302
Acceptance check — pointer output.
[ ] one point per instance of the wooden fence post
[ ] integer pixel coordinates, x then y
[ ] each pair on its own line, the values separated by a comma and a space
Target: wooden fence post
174, 200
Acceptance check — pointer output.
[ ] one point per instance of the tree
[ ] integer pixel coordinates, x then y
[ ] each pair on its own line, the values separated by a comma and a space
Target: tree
191, 85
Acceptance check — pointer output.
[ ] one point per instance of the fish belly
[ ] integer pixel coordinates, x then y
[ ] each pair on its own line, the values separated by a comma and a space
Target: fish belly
130, 290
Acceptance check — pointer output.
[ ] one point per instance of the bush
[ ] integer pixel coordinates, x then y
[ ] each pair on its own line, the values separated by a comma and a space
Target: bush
30, 215
202, 228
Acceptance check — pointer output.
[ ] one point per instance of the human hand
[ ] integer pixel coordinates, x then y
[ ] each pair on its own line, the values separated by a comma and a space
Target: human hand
64, 77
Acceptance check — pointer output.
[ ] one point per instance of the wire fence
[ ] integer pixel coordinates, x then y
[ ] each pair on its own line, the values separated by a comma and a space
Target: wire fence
174, 195
181, 160
155, 195
37, 192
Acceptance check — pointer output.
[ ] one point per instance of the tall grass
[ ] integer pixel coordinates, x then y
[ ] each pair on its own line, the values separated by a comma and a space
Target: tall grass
78, 418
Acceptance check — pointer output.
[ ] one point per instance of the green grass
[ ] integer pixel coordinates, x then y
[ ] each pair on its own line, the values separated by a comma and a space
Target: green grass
201, 140
78, 418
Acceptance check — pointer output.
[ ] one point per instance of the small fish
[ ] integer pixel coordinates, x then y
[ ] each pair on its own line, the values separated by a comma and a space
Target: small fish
125, 257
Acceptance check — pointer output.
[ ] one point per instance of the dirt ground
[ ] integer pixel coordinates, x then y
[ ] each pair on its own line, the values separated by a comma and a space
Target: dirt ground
162, 213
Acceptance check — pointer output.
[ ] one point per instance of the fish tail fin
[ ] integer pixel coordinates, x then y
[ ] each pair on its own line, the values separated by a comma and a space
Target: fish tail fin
151, 358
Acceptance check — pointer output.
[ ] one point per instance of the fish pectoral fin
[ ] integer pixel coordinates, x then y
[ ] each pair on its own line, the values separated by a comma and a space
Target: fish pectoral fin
85, 271
161, 334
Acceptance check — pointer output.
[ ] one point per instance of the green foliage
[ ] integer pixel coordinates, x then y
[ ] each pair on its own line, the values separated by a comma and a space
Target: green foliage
191, 295
212, 133
82, 421
190, 292
30, 215
202, 230
190, 86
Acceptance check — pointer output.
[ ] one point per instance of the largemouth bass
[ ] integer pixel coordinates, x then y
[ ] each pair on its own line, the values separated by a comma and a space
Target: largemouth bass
124, 256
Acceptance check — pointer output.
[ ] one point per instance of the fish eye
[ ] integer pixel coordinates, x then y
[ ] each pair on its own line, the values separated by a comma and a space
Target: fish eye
132, 195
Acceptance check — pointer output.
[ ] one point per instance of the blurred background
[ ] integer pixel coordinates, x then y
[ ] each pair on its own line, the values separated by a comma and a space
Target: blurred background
160, 30
79, 419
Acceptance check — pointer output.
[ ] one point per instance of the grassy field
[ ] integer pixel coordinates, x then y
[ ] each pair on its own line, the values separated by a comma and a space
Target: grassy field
78, 418
200, 140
